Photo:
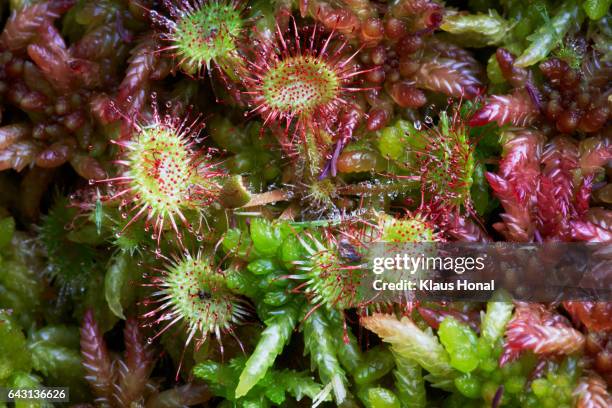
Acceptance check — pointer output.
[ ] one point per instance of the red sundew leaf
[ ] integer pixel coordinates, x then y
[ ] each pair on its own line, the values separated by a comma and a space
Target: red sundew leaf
517, 109
535, 328
96, 359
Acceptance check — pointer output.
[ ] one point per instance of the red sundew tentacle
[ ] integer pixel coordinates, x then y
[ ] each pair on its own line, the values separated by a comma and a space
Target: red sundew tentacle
517, 109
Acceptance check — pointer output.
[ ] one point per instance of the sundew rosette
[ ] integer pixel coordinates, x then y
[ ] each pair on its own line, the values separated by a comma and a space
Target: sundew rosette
164, 178
192, 292
201, 34
302, 81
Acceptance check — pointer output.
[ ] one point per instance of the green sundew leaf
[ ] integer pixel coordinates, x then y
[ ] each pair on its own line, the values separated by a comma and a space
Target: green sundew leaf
410, 342
319, 343
14, 355
596, 9
279, 327
548, 36
409, 382
460, 342
120, 282
495, 319
477, 30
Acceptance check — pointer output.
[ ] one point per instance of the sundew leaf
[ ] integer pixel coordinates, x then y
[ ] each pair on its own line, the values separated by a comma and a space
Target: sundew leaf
410, 342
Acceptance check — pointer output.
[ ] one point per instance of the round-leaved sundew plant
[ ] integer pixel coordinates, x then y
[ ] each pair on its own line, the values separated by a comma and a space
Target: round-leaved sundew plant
445, 159
203, 32
165, 179
330, 278
303, 81
192, 291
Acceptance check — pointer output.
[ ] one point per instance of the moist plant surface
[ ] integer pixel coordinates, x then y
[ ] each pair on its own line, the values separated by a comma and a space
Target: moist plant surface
189, 190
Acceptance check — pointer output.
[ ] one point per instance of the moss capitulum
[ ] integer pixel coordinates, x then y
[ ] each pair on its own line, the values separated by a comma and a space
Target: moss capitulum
298, 85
